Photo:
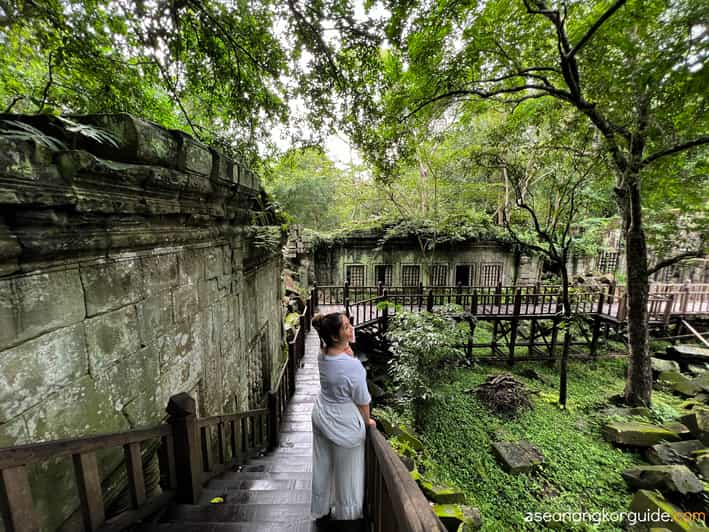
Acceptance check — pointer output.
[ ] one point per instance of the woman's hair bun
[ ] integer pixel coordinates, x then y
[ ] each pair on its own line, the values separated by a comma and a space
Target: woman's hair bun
317, 321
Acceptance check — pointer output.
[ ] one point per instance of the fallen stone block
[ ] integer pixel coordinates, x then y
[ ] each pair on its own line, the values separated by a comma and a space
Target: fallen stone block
637, 434
702, 382
440, 494
652, 506
677, 427
627, 411
666, 478
660, 365
698, 423
517, 457
702, 461
688, 354
673, 453
457, 518
678, 383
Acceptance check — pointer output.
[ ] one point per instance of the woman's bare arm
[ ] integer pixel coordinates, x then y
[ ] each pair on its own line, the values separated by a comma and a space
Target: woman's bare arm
364, 410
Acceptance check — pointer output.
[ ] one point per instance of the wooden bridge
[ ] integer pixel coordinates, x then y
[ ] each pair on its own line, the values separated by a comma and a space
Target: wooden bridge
520, 316
258, 462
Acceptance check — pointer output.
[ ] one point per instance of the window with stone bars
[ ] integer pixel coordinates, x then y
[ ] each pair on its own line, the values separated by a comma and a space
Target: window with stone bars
410, 274
383, 274
490, 274
607, 261
355, 274
439, 275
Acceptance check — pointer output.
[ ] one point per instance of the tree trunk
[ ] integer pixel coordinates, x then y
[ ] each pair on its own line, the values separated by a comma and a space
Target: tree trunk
564, 369
638, 387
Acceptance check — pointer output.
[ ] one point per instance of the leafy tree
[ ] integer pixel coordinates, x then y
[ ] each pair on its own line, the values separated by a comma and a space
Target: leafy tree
211, 68
305, 184
422, 345
635, 70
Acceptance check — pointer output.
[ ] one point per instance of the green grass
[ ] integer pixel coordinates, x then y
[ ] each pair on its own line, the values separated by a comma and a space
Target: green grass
582, 472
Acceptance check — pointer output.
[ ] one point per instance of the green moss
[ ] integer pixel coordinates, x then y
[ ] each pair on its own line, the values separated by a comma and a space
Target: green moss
582, 471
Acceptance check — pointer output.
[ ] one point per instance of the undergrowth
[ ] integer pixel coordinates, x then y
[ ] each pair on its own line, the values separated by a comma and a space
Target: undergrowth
581, 472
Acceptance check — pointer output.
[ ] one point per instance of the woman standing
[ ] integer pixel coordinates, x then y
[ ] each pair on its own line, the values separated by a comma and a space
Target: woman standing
339, 417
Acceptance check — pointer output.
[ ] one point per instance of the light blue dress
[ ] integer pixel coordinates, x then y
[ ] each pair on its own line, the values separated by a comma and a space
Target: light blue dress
338, 438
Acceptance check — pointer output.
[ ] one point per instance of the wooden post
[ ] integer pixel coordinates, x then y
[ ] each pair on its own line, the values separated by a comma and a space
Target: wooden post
346, 291
206, 439
182, 418
16, 500
514, 324
532, 334
668, 310
622, 308
380, 287
385, 312
136, 481
88, 483
493, 343
429, 301
474, 303
498, 292
458, 291
291, 368
597, 324
419, 299
347, 307
272, 421
684, 291
316, 302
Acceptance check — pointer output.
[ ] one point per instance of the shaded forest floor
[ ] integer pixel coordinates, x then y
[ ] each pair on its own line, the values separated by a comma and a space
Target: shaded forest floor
582, 472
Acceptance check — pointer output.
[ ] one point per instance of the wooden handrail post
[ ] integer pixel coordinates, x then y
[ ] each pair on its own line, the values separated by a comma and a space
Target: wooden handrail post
272, 421
429, 301
315, 297
622, 308
347, 307
514, 324
88, 481
597, 324
183, 419
16, 500
380, 287
668, 310
474, 303
346, 291
458, 291
291, 368
385, 312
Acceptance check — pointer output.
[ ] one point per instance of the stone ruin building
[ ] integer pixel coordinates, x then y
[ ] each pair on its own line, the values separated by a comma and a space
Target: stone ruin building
131, 269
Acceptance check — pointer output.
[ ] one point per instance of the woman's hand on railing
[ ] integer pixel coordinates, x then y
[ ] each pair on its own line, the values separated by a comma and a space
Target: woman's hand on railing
371, 422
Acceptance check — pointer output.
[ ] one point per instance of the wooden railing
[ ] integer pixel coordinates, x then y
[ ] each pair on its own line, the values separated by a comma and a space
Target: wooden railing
393, 500
192, 450
526, 301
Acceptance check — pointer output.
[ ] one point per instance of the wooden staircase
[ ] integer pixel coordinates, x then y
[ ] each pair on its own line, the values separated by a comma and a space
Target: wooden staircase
269, 493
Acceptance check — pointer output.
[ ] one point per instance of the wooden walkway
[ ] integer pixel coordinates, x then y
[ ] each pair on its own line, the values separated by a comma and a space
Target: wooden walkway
271, 493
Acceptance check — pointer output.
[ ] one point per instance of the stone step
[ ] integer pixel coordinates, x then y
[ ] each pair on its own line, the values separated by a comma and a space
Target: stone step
259, 484
283, 459
266, 475
255, 526
239, 496
235, 513
278, 466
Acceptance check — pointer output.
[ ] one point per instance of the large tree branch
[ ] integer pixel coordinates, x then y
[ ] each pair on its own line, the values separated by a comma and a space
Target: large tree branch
675, 149
697, 253
593, 29
489, 94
